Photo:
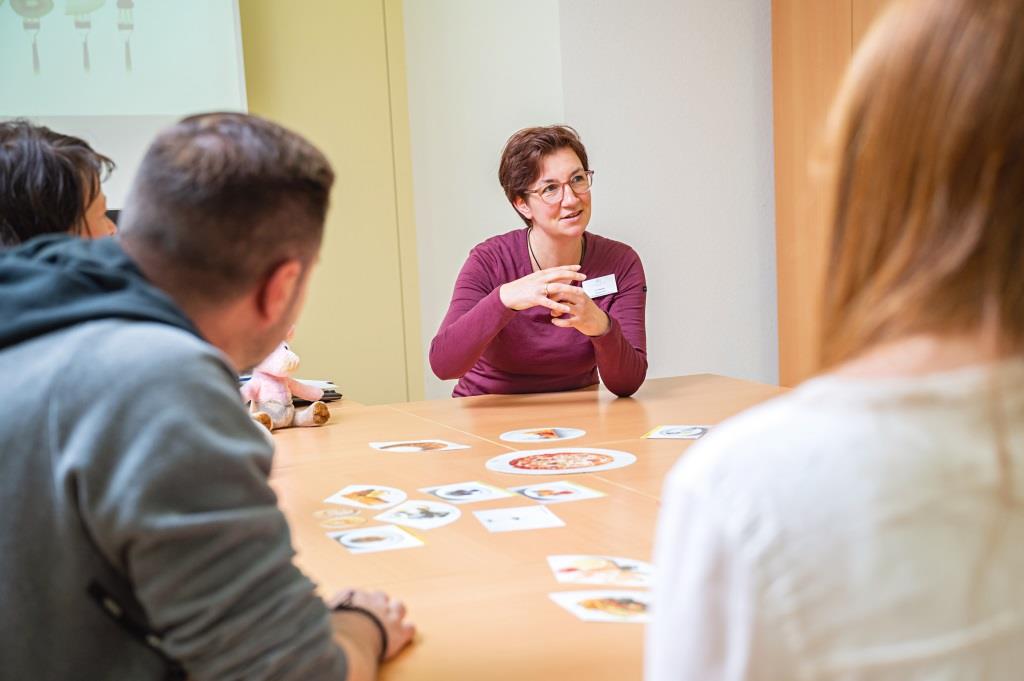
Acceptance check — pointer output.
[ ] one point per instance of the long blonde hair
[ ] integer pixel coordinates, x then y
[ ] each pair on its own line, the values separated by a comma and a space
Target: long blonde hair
925, 163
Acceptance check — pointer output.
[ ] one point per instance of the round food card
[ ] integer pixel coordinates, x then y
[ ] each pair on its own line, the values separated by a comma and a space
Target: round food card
559, 461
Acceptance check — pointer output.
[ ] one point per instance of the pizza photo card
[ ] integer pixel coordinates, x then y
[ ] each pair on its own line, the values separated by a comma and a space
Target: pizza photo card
560, 461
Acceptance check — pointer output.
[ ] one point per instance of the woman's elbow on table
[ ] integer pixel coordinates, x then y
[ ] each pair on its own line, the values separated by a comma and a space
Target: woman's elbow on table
626, 387
629, 375
624, 390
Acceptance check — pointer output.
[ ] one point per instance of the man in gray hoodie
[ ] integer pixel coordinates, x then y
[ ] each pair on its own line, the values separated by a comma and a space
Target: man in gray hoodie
139, 538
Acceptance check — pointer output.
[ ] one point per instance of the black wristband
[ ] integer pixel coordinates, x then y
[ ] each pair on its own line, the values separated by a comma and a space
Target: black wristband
346, 606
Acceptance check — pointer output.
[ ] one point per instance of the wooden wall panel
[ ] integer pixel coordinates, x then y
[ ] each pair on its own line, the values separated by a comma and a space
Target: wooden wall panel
812, 43
810, 50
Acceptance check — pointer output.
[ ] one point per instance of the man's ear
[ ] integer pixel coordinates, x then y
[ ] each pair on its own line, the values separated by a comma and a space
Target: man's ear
275, 296
523, 207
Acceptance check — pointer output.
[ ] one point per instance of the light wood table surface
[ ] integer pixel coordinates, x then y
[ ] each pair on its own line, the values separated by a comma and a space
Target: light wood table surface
480, 600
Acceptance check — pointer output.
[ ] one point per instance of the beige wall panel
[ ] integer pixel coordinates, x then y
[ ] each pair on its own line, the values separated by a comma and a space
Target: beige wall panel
810, 50
321, 68
404, 211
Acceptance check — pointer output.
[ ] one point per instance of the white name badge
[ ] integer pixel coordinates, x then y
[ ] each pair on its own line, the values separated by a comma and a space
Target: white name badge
602, 286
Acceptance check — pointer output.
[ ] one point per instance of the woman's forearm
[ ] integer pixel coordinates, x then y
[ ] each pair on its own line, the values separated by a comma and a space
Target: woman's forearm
622, 366
465, 333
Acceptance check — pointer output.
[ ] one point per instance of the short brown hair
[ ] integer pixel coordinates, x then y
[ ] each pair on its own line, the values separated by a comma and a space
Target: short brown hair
47, 181
925, 176
221, 199
523, 153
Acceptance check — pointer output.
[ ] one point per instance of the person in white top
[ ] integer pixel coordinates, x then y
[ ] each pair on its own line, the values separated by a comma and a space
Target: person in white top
868, 525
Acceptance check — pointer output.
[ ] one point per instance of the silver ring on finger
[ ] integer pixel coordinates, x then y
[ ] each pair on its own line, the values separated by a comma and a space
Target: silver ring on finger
545, 290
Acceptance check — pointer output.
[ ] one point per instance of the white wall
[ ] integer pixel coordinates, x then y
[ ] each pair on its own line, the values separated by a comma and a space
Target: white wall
477, 72
672, 99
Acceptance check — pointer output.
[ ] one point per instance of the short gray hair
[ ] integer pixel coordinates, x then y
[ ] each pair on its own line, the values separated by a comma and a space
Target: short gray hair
221, 199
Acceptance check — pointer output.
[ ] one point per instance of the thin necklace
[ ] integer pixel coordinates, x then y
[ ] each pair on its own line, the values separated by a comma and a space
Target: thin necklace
529, 244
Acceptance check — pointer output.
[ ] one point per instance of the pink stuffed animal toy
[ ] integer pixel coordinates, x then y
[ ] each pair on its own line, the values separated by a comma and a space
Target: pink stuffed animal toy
270, 391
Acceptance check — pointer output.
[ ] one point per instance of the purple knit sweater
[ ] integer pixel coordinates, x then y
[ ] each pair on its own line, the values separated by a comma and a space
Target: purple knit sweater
492, 349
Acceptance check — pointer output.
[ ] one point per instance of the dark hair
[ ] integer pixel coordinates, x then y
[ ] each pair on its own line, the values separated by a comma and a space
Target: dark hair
221, 199
523, 153
47, 181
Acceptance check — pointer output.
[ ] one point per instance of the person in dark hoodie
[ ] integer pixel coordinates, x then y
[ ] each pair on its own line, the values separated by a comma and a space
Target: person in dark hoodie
50, 183
139, 538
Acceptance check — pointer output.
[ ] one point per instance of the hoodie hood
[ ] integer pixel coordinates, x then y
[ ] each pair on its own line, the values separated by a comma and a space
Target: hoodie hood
57, 281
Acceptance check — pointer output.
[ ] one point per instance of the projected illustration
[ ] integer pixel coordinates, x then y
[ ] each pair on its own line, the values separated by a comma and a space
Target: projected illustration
31, 13
83, 18
81, 11
125, 26
152, 58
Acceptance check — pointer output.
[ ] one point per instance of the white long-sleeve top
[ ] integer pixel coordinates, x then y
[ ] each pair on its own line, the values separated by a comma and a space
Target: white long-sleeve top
849, 530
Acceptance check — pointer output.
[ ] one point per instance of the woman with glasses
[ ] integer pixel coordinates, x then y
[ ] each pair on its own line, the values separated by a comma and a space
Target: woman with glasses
869, 524
548, 307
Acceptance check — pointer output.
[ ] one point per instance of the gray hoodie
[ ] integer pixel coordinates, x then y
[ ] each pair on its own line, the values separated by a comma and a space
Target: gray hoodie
138, 536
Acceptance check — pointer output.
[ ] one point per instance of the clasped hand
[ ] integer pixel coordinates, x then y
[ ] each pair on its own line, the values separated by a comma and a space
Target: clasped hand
570, 306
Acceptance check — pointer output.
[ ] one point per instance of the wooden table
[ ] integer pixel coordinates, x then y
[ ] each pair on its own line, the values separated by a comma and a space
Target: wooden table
480, 600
